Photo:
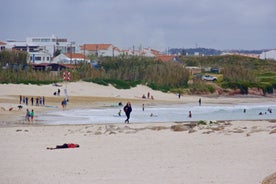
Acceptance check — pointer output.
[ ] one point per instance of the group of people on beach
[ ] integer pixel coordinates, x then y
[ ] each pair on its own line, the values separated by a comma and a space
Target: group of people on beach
38, 101
24, 100
128, 109
57, 92
148, 96
269, 110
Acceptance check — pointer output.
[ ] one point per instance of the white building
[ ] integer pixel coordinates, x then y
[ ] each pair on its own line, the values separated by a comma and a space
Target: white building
52, 44
42, 49
2, 46
39, 57
271, 54
100, 50
70, 58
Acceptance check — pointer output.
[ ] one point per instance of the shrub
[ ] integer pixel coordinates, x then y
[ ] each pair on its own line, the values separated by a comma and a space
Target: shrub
119, 84
201, 122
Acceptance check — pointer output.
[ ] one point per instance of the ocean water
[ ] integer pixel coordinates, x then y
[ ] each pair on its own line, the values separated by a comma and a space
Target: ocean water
160, 113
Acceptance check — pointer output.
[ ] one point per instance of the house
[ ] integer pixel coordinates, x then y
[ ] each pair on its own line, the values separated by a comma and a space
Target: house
165, 58
52, 44
2, 46
49, 44
38, 57
70, 58
256, 56
100, 50
146, 52
271, 54
52, 66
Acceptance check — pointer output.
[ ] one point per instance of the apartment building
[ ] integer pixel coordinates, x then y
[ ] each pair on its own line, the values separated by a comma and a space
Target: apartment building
42, 49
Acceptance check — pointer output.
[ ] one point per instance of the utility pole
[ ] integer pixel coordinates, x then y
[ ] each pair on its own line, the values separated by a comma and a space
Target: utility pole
71, 53
83, 52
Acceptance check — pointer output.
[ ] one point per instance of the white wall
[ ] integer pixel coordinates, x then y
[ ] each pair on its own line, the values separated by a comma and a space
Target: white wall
268, 55
39, 57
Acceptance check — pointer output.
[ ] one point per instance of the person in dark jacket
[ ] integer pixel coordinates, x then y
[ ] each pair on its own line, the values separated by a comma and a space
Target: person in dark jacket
127, 109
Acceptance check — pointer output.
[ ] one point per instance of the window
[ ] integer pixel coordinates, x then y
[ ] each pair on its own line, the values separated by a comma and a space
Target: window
36, 40
45, 40
38, 58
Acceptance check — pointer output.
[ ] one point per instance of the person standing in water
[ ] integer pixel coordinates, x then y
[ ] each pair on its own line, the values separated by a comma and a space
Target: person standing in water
199, 102
127, 109
190, 114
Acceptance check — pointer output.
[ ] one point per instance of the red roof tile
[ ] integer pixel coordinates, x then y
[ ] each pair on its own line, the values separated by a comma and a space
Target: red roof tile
165, 58
94, 47
75, 55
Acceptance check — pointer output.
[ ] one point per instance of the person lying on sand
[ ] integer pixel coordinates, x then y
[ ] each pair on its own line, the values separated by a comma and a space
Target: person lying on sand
65, 145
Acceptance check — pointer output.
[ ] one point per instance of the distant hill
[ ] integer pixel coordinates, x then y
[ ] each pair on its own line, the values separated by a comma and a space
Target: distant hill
209, 52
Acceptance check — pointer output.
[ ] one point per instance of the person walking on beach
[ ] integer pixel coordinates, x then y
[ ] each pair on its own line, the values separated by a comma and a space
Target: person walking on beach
43, 101
32, 115
64, 103
28, 115
32, 101
27, 101
36, 101
127, 110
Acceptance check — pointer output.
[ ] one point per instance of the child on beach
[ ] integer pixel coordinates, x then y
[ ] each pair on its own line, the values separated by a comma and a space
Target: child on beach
119, 113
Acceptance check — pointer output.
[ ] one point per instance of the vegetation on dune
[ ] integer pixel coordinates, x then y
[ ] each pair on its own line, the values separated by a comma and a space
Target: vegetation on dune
156, 74
235, 72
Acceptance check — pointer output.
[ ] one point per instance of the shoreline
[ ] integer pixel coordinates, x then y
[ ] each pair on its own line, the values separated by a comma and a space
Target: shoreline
17, 116
90, 95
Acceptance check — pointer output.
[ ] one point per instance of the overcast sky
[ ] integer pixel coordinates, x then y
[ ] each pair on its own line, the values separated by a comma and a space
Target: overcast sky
159, 24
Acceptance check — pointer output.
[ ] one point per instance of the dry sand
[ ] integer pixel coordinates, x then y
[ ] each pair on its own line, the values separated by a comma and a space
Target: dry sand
236, 152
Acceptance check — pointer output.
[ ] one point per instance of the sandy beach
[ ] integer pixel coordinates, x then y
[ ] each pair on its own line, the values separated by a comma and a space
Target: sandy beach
227, 152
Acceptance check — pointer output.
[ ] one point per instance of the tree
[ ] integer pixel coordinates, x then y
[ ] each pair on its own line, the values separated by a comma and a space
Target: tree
57, 52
